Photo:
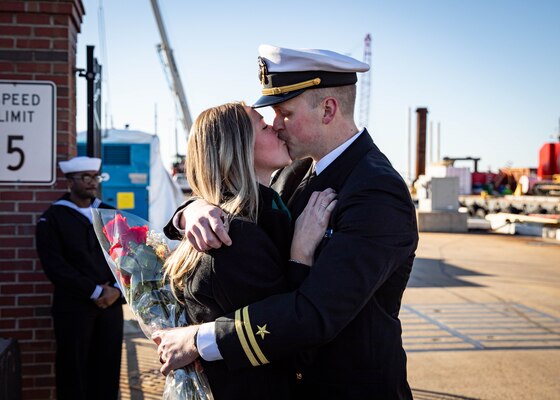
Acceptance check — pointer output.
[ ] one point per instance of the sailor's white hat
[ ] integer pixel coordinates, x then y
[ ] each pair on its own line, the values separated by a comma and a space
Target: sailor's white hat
286, 73
80, 164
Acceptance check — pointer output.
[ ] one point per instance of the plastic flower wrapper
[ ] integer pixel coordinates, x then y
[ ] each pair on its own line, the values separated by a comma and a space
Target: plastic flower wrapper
136, 255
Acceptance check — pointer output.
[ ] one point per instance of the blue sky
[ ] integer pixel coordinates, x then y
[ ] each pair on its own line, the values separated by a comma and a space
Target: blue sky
487, 70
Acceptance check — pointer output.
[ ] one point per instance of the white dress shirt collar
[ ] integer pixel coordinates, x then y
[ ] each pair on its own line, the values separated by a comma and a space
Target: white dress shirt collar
333, 155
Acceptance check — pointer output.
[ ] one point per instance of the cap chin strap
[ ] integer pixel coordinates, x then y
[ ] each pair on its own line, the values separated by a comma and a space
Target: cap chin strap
290, 88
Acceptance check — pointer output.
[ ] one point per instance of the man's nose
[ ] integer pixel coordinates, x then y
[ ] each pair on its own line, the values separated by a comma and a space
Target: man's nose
278, 123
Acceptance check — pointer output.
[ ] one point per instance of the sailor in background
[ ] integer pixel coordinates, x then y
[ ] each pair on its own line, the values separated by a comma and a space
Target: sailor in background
86, 310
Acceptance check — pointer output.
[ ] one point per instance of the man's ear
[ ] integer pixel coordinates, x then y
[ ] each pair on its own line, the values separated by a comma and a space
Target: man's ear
330, 108
69, 182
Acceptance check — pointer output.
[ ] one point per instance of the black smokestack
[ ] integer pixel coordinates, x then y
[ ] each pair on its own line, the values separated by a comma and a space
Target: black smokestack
421, 119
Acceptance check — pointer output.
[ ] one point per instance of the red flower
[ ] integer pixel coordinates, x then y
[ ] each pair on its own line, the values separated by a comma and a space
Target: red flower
125, 279
116, 225
120, 235
136, 234
116, 251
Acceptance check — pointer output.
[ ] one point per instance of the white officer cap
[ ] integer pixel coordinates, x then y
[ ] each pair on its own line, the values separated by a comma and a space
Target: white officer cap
286, 73
80, 164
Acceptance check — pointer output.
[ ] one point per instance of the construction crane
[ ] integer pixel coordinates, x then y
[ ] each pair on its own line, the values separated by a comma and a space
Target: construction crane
172, 74
365, 86
174, 80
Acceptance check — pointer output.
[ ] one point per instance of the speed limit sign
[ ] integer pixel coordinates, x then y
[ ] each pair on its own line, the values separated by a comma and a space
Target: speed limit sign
27, 132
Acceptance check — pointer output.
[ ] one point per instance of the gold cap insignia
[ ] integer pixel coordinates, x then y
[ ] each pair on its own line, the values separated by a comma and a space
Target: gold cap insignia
263, 71
262, 331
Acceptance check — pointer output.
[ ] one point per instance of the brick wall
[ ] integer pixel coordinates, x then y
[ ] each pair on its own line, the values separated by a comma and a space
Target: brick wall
37, 43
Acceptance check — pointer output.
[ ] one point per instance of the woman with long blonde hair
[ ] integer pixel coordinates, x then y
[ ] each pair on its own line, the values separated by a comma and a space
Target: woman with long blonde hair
231, 156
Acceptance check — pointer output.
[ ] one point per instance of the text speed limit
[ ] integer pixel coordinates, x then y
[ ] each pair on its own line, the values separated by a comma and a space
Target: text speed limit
27, 132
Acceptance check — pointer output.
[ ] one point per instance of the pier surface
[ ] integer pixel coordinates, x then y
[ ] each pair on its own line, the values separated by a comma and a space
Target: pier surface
481, 317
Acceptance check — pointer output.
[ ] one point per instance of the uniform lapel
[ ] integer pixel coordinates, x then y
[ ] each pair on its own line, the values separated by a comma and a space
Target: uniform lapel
286, 181
334, 175
307, 179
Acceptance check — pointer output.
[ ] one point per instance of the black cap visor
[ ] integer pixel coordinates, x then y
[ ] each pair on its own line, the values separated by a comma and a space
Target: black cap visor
283, 79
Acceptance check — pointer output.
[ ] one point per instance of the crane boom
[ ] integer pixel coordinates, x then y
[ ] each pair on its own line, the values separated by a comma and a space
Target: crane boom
171, 70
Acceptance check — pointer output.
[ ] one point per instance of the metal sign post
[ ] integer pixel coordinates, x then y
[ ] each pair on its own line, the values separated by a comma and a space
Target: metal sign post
93, 77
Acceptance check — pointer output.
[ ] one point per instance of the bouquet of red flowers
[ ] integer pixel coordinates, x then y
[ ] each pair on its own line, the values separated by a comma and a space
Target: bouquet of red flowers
136, 255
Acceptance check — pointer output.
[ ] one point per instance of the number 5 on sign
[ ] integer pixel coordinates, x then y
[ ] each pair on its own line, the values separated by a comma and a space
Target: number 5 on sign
14, 149
27, 132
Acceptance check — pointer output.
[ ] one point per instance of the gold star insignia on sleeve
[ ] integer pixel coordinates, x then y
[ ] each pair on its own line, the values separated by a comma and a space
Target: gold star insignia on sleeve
262, 331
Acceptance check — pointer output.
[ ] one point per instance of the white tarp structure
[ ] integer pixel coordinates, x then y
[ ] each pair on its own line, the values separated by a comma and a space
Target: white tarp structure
164, 195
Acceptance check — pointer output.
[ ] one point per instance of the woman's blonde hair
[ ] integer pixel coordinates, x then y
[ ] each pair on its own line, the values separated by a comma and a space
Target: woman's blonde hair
219, 169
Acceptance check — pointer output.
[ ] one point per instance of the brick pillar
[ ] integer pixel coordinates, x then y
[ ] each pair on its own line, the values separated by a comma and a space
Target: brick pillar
37, 43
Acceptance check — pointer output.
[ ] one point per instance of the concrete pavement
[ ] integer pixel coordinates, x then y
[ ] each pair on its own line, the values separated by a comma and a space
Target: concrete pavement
481, 318
140, 376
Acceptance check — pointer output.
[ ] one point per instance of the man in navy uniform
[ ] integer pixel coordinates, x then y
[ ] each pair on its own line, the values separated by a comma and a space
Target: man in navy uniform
87, 310
347, 308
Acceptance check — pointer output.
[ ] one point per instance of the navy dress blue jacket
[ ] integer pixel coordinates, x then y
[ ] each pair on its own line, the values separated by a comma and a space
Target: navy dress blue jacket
347, 309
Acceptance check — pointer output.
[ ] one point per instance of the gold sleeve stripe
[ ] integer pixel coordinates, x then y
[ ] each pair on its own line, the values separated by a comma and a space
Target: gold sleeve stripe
252, 338
243, 340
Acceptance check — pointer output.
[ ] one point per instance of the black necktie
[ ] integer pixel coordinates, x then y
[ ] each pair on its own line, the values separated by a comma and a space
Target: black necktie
299, 198
307, 179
